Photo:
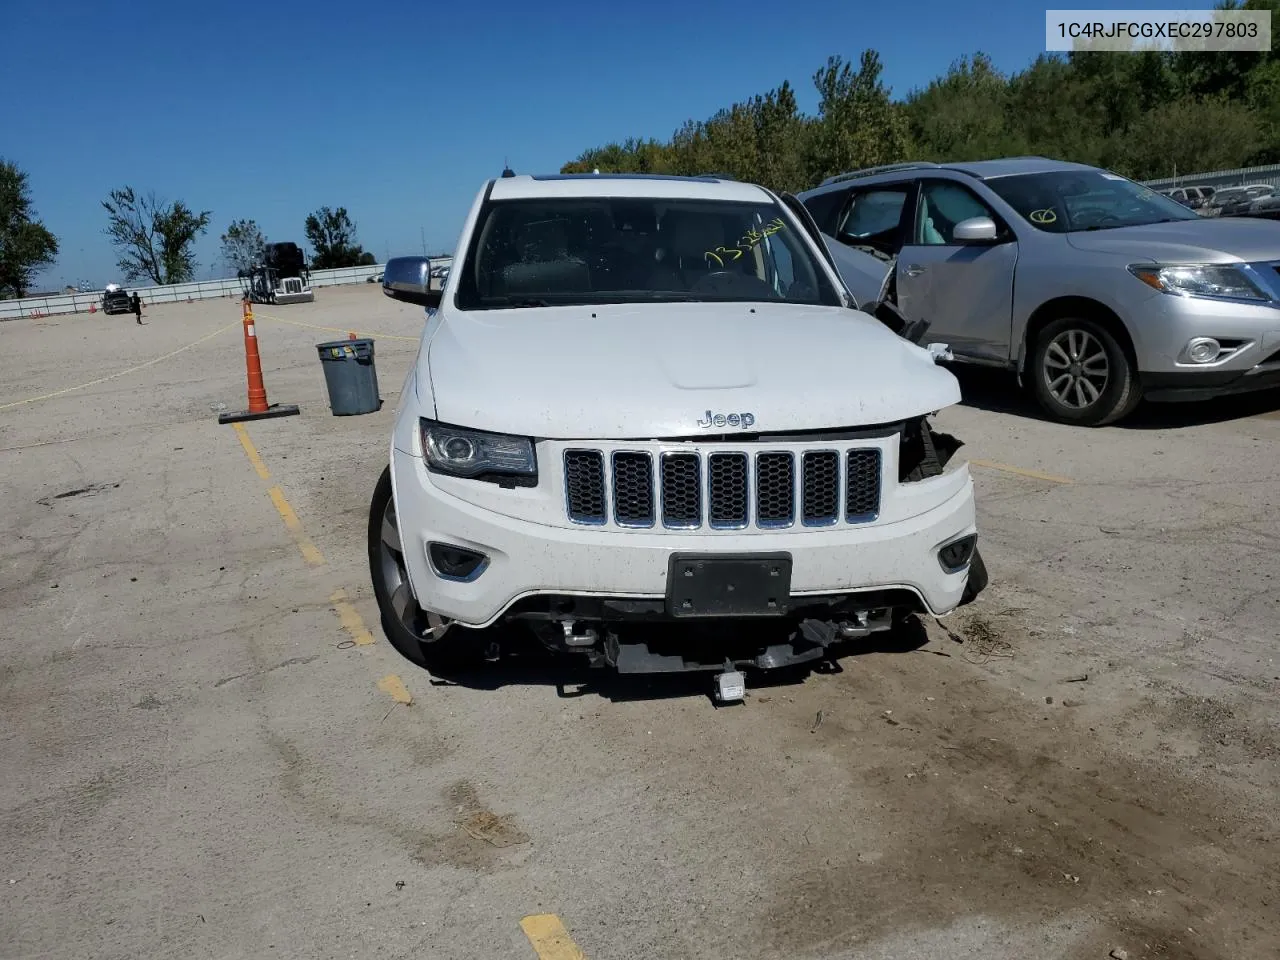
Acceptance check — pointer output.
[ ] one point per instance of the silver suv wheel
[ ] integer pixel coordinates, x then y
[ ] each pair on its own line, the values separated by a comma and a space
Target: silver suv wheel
1076, 368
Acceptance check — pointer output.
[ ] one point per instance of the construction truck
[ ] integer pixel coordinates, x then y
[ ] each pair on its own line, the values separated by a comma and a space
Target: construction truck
281, 277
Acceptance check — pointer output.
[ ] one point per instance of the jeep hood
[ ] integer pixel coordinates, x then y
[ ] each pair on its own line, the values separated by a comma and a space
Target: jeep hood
1203, 240
650, 371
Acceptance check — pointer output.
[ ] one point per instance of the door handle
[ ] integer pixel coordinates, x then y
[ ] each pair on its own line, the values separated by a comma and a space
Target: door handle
914, 270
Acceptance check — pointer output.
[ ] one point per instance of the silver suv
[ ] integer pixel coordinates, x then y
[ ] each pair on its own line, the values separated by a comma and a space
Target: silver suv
1096, 290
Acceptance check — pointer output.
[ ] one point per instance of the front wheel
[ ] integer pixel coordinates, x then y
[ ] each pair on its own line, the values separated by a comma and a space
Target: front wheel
406, 624
1081, 374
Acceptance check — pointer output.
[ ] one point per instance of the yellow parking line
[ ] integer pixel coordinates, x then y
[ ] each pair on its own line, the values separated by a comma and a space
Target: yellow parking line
348, 616
351, 619
122, 373
316, 326
549, 938
394, 687
252, 451
1019, 471
310, 552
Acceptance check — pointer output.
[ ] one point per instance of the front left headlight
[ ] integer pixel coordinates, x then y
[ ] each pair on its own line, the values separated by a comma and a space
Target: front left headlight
1221, 281
478, 454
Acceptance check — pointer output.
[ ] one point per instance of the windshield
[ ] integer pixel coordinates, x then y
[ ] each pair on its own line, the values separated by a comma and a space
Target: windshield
1069, 200
636, 250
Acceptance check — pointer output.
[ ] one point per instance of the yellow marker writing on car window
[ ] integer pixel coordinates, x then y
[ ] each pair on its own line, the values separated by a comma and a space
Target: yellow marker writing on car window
1042, 216
749, 240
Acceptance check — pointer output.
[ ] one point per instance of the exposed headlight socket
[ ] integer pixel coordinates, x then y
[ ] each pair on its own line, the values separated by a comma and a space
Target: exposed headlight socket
954, 555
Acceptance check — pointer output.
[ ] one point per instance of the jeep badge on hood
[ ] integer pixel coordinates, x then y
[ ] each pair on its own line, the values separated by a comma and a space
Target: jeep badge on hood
743, 420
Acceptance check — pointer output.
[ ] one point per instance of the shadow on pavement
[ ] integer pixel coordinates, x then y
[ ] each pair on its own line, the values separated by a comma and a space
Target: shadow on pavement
997, 391
523, 661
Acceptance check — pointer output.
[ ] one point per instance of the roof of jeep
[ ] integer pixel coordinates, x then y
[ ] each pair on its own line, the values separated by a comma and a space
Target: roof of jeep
656, 186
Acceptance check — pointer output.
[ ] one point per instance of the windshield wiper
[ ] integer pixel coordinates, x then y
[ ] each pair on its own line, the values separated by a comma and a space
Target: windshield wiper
521, 302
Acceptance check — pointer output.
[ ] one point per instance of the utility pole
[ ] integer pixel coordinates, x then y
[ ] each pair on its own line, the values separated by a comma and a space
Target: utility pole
423, 233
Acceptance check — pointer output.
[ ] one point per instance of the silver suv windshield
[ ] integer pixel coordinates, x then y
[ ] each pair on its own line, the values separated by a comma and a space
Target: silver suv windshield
565, 251
1066, 201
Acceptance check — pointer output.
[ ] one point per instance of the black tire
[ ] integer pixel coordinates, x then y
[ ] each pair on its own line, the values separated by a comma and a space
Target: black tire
977, 581
408, 629
1081, 374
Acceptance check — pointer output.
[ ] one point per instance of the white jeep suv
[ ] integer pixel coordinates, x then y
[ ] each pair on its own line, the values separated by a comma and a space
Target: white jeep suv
648, 420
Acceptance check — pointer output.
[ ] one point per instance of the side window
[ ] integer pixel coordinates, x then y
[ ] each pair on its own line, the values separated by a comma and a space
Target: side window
873, 218
825, 209
942, 205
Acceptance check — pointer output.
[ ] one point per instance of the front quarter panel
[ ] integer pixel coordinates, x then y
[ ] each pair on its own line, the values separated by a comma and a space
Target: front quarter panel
1050, 269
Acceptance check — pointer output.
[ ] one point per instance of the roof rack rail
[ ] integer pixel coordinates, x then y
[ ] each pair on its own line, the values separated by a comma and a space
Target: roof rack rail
883, 168
715, 176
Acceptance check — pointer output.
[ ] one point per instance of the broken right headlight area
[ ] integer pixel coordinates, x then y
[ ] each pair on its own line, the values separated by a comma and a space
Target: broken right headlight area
924, 452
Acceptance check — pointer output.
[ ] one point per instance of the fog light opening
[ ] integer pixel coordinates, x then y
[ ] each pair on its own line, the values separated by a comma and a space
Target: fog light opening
955, 556
1203, 350
455, 563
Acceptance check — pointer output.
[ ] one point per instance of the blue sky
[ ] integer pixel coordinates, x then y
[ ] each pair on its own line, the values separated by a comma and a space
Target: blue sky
399, 111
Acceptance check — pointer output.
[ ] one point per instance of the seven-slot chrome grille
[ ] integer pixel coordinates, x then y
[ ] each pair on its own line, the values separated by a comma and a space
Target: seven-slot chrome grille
724, 490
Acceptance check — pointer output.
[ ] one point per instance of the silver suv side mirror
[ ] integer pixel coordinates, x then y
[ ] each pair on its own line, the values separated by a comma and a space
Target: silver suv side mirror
409, 279
975, 230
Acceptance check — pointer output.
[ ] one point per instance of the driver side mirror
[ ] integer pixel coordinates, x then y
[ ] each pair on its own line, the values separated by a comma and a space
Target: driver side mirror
975, 230
409, 280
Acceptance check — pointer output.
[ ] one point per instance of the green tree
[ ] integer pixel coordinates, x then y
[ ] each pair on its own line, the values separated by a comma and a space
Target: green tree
1187, 136
858, 125
1138, 111
964, 115
155, 239
243, 244
25, 244
1051, 112
332, 236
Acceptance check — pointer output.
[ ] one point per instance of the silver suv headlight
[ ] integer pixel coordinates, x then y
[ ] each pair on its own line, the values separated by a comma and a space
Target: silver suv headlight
1221, 281
478, 454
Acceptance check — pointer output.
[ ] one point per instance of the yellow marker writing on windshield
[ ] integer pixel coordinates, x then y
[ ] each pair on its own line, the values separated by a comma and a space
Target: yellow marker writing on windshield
749, 240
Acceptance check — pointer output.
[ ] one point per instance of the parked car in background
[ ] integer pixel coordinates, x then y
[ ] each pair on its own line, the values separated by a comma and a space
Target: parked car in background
1193, 197
1268, 207
115, 299
1095, 289
1234, 201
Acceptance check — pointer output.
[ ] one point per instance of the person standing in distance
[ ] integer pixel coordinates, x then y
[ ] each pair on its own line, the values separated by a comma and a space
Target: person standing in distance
136, 302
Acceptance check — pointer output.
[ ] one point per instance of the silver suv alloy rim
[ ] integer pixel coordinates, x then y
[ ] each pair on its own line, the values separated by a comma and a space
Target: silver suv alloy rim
1076, 368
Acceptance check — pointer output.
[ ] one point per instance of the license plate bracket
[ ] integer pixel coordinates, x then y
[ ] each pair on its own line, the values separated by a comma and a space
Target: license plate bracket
728, 585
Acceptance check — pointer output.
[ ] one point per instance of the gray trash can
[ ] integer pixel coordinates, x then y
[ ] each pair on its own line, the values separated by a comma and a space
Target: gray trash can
351, 376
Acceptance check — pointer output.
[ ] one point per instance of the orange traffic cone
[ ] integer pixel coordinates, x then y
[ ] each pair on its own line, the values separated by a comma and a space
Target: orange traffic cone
258, 409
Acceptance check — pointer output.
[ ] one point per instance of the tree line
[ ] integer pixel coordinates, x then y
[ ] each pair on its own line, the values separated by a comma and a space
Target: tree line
154, 239
1144, 114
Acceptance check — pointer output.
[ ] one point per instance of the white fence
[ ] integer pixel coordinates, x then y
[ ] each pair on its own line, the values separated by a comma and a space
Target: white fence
1221, 178
173, 293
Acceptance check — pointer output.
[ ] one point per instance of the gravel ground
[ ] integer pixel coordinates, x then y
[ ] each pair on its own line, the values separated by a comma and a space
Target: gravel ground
207, 749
